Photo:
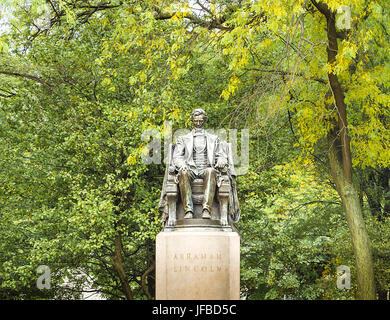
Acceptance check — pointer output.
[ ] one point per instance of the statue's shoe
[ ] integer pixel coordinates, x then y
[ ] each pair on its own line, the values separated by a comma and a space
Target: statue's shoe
206, 214
188, 215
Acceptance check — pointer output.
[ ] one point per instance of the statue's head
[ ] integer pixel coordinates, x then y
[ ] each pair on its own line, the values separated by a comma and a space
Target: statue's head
198, 118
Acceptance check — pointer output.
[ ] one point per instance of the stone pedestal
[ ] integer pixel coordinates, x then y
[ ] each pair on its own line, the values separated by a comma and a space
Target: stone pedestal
197, 265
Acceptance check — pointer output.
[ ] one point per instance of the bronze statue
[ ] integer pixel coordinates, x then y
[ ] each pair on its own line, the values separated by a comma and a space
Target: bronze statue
194, 157
201, 166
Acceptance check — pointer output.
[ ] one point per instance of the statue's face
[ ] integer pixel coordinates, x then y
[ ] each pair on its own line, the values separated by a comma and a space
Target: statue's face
198, 121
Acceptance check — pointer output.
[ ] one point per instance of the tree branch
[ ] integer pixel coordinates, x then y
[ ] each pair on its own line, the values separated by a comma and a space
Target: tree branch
143, 280
282, 72
212, 24
8, 94
27, 76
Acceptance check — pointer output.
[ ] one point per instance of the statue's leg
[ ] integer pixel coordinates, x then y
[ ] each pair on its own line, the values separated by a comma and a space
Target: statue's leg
210, 182
185, 179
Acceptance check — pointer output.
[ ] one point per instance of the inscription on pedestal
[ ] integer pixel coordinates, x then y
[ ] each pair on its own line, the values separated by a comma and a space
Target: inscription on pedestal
198, 262
198, 265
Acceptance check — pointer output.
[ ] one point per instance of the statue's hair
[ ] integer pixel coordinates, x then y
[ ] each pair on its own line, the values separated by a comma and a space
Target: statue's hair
198, 112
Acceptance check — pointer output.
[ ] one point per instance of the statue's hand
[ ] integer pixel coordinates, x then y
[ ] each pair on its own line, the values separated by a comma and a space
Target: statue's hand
221, 163
183, 167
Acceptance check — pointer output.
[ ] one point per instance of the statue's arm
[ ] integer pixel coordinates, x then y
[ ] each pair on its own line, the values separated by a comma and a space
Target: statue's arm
178, 154
221, 155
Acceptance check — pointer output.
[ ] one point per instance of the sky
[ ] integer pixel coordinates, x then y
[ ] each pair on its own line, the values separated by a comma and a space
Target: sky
4, 14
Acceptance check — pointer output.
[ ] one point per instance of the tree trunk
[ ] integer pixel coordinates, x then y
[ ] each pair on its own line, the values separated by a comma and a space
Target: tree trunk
145, 286
340, 159
117, 262
353, 213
